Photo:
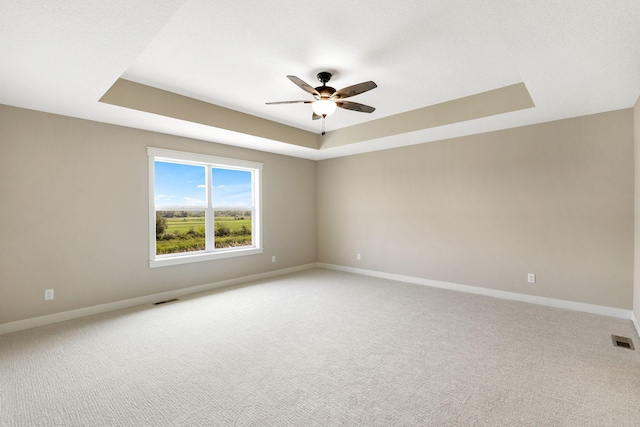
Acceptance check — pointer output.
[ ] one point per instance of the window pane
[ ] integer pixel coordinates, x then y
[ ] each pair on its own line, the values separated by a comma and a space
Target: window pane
178, 185
180, 231
231, 189
233, 228
232, 200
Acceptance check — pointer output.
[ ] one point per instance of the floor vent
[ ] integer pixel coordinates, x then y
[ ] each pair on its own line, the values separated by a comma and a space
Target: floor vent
164, 302
623, 342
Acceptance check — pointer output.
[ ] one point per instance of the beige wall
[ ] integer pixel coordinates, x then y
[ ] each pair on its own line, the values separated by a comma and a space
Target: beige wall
75, 211
636, 282
554, 199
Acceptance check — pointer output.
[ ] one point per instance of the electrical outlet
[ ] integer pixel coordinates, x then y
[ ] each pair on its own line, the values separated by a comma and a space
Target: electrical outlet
359, 257
531, 278
48, 294
273, 258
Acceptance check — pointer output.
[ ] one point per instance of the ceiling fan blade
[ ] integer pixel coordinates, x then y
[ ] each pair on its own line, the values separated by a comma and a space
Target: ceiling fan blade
288, 102
314, 116
354, 90
304, 86
355, 106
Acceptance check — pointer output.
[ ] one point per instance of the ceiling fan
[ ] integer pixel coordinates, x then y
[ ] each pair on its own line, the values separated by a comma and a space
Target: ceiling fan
327, 98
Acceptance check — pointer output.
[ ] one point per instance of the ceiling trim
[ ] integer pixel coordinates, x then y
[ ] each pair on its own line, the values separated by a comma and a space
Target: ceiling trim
128, 94
498, 101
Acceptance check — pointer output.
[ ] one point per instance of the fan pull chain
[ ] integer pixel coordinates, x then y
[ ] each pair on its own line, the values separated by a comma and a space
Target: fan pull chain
323, 116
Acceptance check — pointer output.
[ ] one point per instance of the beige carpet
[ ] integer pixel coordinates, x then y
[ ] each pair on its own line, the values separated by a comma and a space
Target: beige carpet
324, 348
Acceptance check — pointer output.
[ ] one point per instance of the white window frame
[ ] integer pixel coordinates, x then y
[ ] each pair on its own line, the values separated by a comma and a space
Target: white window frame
172, 156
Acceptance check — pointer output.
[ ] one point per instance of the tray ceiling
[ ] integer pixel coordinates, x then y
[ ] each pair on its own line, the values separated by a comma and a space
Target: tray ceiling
443, 69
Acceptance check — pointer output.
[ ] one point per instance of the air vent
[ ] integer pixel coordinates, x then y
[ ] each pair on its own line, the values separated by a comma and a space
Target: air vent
623, 342
165, 302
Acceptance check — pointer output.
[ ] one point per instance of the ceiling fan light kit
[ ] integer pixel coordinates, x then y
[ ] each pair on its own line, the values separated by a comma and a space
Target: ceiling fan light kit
324, 107
328, 98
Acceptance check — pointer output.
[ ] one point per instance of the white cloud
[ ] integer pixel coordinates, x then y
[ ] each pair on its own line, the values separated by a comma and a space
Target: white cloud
202, 186
194, 202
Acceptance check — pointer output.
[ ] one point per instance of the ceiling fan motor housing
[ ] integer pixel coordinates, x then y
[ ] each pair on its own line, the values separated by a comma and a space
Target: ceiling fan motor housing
324, 90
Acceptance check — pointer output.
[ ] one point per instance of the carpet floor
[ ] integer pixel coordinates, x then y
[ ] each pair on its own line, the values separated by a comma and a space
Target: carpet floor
323, 348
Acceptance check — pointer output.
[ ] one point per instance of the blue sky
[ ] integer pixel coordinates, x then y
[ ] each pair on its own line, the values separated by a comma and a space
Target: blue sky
184, 185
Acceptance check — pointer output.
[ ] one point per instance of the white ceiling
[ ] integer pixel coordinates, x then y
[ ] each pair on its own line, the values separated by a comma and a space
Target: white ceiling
576, 57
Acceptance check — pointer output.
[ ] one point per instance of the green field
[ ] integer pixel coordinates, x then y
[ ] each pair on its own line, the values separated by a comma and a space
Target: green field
187, 233
184, 224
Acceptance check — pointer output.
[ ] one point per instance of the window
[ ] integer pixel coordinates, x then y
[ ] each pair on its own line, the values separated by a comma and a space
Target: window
202, 207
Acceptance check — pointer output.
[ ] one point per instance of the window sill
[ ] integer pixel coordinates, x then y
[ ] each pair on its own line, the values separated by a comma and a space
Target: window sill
166, 260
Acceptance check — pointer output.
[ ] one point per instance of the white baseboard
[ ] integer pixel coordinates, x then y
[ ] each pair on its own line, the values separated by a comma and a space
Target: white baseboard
634, 319
19, 325
532, 299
